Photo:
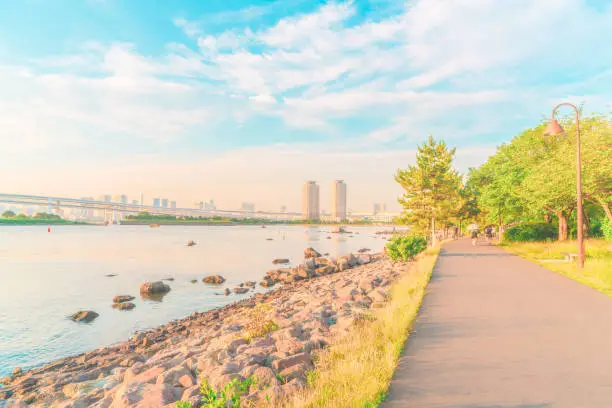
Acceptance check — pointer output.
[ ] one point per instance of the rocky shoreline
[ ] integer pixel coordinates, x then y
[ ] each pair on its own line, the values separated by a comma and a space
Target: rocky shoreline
269, 339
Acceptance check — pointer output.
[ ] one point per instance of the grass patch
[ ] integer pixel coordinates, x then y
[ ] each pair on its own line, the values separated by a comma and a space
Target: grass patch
597, 271
355, 371
259, 325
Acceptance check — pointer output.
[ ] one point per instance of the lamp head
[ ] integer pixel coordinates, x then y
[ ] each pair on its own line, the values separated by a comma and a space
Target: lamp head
554, 128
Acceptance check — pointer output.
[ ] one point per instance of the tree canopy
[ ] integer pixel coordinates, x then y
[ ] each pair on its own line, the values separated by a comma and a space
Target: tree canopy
533, 177
431, 186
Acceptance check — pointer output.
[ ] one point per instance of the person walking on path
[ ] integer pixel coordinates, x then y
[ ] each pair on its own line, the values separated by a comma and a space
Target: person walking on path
496, 330
474, 237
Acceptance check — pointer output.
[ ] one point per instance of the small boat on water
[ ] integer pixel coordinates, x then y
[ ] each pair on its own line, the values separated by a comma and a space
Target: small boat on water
153, 225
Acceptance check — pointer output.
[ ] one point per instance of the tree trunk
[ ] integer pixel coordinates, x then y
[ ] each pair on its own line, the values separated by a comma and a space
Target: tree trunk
605, 207
562, 226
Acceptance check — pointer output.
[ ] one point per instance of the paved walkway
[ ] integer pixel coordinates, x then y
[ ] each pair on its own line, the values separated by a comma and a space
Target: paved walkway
498, 331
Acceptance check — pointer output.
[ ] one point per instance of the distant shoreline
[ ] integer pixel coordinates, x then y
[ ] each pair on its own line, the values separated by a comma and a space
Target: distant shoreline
11, 222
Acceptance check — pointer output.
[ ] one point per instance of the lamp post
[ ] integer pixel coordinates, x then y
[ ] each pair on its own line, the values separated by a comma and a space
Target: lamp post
555, 129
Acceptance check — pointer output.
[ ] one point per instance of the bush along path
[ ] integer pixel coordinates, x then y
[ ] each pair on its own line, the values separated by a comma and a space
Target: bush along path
255, 352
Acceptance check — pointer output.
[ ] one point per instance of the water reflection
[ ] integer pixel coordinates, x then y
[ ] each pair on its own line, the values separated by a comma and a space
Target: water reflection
46, 277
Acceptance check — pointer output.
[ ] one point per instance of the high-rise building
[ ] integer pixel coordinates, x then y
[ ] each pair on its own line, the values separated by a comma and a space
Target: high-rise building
248, 207
172, 204
338, 195
310, 200
378, 208
164, 203
156, 202
124, 199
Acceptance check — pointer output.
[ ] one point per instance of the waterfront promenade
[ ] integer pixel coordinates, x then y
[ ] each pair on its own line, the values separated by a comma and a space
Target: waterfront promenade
498, 331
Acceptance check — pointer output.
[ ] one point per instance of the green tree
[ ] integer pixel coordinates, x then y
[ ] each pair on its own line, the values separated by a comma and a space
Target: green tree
8, 214
533, 177
431, 187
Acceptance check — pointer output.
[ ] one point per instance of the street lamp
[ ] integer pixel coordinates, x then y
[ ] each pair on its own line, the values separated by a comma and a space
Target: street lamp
555, 129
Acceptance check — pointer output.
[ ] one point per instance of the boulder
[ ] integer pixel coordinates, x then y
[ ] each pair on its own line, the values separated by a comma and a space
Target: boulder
194, 281
84, 316
311, 253
124, 306
303, 272
280, 261
249, 283
267, 282
214, 279
325, 270
123, 298
227, 292
17, 371
240, 290
300, 358
154, 288
364, 259
362, 250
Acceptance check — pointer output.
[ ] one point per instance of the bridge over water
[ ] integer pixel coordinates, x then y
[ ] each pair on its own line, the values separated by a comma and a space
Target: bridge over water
113, 210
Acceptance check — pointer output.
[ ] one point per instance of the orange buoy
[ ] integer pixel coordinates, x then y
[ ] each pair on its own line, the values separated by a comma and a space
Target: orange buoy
49, 228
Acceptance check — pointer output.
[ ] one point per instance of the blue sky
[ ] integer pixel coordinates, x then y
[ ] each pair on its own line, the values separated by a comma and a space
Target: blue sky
244, 101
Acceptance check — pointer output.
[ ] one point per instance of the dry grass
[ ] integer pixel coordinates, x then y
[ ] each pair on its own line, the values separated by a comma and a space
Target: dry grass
259, 324
356, 369
597, 271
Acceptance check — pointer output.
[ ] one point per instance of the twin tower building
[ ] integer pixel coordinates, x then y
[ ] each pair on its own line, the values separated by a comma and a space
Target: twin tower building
311, 203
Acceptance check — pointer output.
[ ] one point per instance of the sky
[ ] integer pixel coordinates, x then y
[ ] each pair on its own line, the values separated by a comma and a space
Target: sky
238, 100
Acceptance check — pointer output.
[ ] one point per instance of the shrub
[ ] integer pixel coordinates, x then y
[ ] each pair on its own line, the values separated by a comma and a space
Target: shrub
532, 232
228, 397
259, 324
406, 247
606, 228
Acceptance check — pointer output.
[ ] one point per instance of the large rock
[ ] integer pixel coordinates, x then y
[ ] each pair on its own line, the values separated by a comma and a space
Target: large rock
300, 358
267, 282
84, 316
325, 270
280, 261
240, 290
214, 279
154, 288
311, 253
123, 298
124, 306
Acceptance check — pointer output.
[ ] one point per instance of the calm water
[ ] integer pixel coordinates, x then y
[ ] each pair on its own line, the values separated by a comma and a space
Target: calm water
44, 277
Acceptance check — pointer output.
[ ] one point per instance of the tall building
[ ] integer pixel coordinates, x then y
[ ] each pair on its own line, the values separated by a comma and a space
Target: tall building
310, 200
378, 208
164, 203
156, 202
338, 195
172, 204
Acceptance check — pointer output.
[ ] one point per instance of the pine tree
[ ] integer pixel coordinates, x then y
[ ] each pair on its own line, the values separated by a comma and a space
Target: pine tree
431, 187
